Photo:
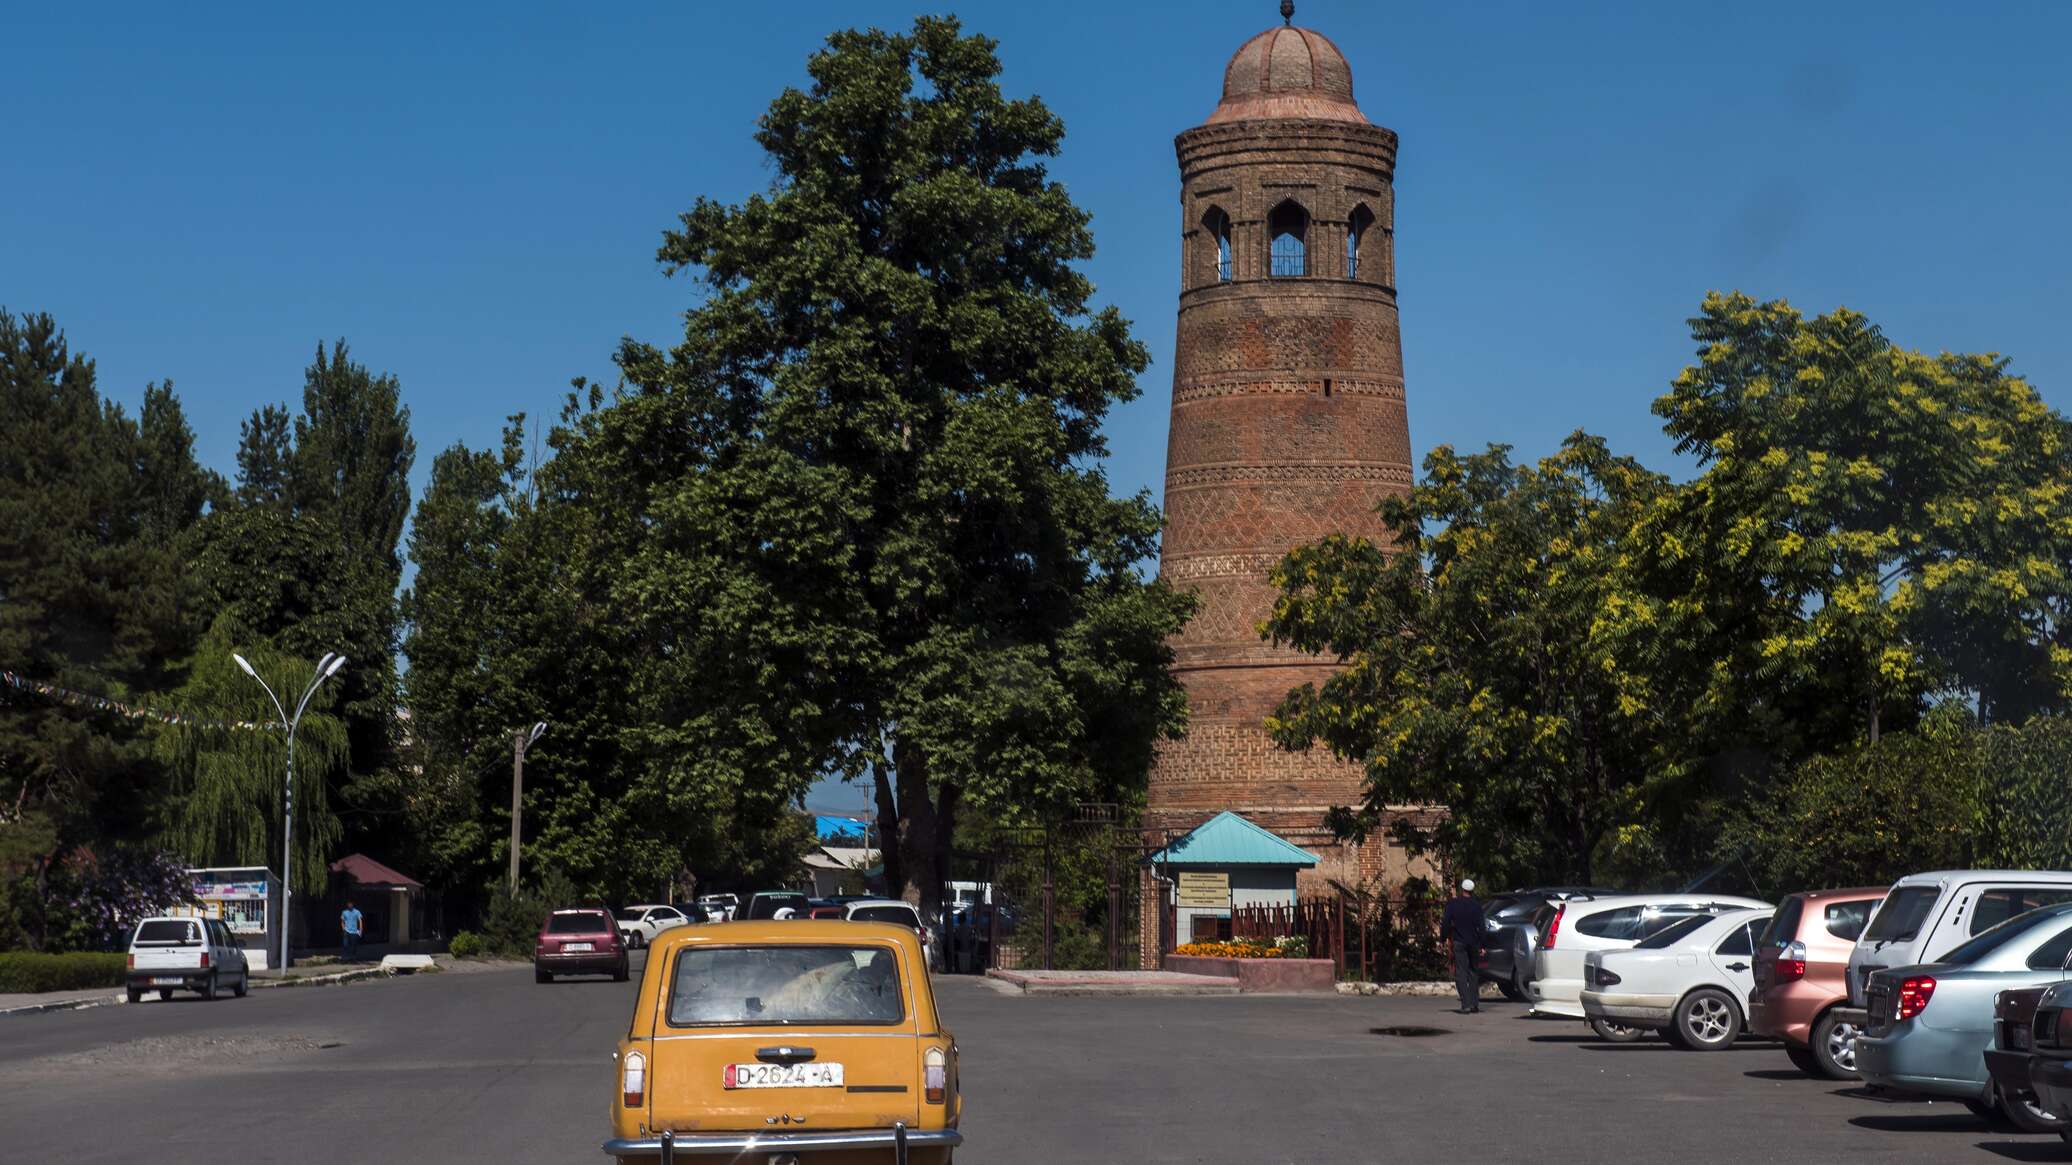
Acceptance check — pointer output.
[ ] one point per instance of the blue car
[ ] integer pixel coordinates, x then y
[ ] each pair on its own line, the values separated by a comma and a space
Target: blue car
1932, 1023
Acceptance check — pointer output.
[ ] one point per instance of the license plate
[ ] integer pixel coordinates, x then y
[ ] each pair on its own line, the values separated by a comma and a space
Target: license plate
577, 947
167, 981
784, 1076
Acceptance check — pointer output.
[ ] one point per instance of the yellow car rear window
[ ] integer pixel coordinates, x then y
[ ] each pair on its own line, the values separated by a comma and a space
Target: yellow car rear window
785, 985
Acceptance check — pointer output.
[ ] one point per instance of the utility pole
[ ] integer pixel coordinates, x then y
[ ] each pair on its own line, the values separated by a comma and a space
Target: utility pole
520, 741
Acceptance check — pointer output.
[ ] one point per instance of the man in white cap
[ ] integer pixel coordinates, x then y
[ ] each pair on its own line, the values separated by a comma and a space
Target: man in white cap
1462, 925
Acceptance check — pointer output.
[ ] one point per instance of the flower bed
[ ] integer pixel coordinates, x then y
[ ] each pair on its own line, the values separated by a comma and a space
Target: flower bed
1283, 948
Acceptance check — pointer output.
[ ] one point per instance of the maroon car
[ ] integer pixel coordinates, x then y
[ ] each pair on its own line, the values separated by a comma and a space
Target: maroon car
579, 942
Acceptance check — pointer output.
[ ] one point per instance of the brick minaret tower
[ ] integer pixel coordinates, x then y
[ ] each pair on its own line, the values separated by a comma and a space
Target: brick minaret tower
1288, 418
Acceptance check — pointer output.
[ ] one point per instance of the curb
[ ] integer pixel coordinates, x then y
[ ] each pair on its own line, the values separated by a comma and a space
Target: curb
117, 998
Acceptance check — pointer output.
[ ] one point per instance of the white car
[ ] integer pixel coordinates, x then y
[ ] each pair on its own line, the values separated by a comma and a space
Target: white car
173, 953
639, 925
898, 912
1576, 928
720, 907
1690, 981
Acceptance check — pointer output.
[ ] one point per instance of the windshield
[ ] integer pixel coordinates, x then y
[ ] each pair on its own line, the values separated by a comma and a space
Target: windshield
583, 923
1992, 940
1672, 934
1900, 919
903, 915
167, 931
1784, 925
767, 905
785, 984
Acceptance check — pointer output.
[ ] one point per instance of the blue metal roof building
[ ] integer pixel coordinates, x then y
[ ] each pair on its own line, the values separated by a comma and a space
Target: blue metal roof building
1228, 839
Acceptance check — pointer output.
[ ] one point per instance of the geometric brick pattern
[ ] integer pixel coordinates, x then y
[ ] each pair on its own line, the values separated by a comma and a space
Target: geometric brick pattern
1288, 423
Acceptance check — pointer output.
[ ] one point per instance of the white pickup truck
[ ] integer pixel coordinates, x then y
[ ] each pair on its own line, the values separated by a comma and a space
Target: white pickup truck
194, 954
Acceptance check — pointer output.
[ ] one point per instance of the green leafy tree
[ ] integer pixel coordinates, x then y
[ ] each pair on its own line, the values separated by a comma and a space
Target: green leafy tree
855, 523
223, 799
1473, 678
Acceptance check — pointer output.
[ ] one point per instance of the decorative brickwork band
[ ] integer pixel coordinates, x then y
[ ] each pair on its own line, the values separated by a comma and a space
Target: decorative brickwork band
1209, 389
1215, 475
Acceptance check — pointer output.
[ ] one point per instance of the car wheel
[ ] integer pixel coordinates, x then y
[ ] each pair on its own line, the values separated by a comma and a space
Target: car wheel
208, 989
1513, 990
1834, 1045
1707, 1021
135, 995
2024, 1113
1986, 1111
620, 975
164, 994
1616, 1032
1804, 1060
539, 976
244, 984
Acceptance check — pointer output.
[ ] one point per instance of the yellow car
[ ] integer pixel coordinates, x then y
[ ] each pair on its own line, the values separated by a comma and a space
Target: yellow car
801, 1042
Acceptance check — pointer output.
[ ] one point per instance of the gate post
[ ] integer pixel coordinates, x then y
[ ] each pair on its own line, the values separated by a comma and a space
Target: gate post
992, 897
1049, 902
1114, 909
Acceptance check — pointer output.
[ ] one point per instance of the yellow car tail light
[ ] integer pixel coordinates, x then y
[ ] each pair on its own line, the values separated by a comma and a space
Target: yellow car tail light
935, 1075
633, 1080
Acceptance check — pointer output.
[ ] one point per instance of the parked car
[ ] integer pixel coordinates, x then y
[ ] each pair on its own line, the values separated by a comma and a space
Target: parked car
766, 903
1574, 929
638, 925
2050, 1067
1926, 915
171, 953
898, 913
1801, 977
1931, 1023
719, 907
1690, 981
715, 1063
582, 941
1513, 934
2014, 1045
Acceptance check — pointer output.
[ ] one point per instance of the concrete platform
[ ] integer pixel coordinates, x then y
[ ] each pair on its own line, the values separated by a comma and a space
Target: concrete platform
1113, 983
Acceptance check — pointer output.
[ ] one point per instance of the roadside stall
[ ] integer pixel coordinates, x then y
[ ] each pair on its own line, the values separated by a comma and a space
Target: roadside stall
247, 899
1226, 862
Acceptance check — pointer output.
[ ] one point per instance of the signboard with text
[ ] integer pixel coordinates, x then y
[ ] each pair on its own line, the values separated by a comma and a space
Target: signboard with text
1202, 889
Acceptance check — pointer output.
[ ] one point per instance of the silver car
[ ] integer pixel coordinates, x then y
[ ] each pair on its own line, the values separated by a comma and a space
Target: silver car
1931, 1023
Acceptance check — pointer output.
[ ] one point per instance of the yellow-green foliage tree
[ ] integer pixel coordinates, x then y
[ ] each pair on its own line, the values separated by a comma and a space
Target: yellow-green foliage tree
1595, 669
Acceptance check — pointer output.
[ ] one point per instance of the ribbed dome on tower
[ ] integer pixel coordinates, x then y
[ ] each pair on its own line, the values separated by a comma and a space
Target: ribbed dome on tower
1288, 72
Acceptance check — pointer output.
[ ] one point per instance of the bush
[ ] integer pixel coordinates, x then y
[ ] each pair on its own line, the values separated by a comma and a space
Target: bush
466, 945
32, 971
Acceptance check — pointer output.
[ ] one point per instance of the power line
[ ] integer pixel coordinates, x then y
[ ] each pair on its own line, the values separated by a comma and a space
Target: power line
73, 698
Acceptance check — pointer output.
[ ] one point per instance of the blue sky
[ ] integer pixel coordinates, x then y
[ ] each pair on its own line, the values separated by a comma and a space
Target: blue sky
471, 195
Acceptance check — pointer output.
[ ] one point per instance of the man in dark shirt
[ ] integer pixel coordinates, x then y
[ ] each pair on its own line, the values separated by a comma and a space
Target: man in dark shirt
1462, 924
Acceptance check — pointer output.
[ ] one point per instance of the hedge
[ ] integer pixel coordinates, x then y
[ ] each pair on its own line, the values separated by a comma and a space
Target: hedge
33, 971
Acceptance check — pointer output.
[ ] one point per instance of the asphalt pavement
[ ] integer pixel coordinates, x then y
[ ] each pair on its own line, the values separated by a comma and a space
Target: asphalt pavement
493, 1067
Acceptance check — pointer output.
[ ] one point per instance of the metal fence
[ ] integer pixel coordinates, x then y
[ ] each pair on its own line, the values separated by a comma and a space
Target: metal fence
1373, 939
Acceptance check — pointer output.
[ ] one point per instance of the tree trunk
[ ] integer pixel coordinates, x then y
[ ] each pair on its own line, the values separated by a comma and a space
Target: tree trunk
917, 843
888, 828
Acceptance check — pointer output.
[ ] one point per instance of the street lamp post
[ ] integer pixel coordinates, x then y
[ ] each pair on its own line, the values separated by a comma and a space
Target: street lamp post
326, 668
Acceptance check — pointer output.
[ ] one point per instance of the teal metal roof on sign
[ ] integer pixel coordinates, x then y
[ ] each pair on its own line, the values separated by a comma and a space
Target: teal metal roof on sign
1229, 840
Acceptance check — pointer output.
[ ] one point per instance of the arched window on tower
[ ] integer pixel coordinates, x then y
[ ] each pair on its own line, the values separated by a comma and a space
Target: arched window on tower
1355, 233
1287, 230
1215, 227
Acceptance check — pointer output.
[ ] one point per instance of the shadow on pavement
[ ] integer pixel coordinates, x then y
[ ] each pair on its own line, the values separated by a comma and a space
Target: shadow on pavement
1776, 1074
2038, 1150
1955, 1122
